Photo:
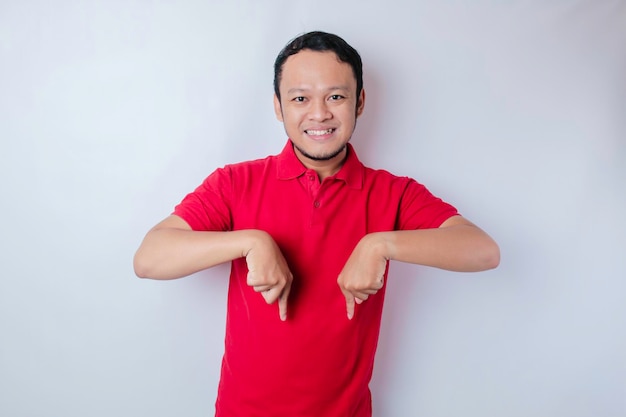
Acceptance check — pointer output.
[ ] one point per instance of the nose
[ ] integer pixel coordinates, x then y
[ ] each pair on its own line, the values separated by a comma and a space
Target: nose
319, 111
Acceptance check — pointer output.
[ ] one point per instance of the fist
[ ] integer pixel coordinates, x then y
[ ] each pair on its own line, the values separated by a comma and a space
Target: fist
364, 272
268, 272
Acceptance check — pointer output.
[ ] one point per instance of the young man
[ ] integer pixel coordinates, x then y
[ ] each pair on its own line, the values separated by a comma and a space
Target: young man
309, 232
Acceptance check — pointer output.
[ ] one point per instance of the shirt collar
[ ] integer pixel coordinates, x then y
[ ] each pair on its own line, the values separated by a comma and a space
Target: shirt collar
289, 167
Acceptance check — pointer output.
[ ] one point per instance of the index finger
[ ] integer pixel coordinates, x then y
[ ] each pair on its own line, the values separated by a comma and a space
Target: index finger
282, 302
350, 301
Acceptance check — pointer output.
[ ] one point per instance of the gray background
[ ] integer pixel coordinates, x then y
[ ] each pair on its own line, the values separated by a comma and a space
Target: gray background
111, 111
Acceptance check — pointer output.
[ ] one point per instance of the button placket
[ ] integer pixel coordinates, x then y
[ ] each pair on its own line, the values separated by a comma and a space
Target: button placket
316, 205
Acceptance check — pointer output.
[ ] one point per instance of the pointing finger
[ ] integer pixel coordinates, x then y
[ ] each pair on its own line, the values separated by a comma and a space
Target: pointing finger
282, 302
350, 305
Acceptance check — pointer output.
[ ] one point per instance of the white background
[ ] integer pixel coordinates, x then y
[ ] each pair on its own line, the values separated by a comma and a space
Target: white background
514, 111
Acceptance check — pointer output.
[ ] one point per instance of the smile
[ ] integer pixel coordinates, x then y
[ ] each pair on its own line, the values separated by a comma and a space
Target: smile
319, 132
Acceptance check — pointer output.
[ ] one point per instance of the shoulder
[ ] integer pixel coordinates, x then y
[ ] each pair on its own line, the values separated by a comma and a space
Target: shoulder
382, 177
251, 164
396, 187
250, 167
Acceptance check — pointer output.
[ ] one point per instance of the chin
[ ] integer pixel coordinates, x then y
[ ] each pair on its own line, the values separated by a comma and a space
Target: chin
321, 156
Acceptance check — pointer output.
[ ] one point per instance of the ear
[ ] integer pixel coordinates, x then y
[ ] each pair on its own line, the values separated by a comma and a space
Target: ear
278, 110
360, 104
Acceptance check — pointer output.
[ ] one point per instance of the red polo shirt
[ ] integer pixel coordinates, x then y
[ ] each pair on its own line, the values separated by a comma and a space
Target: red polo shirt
317, 363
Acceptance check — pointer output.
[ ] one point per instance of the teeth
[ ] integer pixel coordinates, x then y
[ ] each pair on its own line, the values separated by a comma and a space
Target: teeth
319, 132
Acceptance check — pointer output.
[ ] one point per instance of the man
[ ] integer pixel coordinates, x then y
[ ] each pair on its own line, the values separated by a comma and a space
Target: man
309, 232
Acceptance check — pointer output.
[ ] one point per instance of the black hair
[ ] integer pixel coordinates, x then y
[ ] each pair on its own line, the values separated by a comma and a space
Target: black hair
321, 42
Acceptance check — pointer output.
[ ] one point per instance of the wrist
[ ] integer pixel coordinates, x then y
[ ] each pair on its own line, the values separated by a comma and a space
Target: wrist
379, 244
252, 238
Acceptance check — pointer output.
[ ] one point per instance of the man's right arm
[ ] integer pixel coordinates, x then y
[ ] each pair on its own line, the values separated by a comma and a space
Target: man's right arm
171, 249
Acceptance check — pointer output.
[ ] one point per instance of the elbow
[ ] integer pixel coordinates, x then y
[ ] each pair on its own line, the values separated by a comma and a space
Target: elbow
493, 262
490, 258
140, 270
142, 266
150, 266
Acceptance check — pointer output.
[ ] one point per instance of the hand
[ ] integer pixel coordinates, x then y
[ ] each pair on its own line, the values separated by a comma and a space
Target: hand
363, 273
268, 272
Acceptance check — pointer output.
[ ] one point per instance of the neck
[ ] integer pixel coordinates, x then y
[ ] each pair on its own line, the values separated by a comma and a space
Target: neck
324, 168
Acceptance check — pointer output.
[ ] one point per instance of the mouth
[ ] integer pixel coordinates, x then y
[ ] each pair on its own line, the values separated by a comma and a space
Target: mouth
319, 133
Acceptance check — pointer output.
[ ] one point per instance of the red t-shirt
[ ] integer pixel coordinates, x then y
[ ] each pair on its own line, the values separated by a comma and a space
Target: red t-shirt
317, 363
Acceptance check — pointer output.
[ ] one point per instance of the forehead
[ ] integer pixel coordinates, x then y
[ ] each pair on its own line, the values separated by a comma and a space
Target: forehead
314, 69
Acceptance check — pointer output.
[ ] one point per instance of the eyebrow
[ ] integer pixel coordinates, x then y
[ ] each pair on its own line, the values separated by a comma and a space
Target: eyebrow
334, 88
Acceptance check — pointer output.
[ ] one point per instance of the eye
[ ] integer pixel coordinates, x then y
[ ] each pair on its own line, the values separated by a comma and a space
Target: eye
298, 99
336, 97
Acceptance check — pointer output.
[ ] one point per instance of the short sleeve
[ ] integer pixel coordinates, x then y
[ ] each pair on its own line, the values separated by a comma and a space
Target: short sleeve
208, 207
419, 209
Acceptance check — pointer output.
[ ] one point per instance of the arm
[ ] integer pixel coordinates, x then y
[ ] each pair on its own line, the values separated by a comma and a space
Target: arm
457, 245
171, 249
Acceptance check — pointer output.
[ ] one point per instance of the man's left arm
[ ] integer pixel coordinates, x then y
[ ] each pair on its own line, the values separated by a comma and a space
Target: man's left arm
457, 245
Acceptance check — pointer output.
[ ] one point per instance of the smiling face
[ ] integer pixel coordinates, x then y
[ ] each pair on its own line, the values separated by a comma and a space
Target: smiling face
318, 106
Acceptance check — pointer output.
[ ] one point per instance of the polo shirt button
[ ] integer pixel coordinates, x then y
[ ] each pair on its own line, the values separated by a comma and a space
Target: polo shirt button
311, 177
316, 204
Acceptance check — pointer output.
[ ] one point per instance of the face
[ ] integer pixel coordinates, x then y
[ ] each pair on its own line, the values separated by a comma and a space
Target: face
318, 106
